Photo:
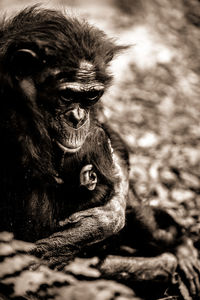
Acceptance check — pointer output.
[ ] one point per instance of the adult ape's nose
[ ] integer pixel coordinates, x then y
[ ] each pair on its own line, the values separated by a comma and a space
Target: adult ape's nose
75, 117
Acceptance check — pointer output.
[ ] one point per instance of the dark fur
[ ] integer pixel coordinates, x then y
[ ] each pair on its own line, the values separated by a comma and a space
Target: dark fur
95, 151
32, 167
41, 197
74, 40
32, 202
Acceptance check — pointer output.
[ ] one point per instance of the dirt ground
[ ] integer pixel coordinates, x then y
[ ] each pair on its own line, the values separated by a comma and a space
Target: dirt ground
154, 100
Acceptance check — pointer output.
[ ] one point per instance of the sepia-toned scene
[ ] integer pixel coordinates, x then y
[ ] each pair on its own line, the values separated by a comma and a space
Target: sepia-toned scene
100, 150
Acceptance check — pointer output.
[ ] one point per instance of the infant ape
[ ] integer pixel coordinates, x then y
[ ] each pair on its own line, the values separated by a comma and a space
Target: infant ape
90, 174
88, 180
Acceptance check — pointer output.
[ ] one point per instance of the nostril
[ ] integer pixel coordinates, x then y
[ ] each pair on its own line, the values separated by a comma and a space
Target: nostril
75, 117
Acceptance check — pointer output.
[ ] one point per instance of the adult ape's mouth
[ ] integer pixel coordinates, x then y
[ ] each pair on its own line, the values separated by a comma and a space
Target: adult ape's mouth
74, 138
68, 149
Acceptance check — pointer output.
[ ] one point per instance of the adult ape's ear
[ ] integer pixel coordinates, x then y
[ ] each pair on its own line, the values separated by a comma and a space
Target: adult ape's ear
24, 62
114, 50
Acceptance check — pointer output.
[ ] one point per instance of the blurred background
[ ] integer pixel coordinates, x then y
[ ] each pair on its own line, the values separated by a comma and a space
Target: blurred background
154, 100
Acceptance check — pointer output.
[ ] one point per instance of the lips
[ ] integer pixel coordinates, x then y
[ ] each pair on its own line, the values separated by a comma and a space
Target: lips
73, 137
68, 149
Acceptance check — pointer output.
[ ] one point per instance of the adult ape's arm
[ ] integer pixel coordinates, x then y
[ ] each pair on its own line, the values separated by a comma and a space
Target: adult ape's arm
89, 226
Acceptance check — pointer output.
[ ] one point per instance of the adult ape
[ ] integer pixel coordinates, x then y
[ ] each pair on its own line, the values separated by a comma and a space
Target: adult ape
53, 71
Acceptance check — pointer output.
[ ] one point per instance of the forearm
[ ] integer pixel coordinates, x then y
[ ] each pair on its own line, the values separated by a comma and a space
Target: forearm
90, 226
87, 227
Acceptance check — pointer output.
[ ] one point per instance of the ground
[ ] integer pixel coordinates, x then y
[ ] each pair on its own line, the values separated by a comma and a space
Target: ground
154, 105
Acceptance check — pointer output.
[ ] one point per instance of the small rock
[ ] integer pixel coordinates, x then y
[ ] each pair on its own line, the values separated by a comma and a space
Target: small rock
6, 249
162, 192
190, 180
197, 202
14, 264
142, 189
192, 155
84, 267
29, 281
6, 236
149, 139
138, 173
181, 195
167, 177
131, 140
95, 290
154, 171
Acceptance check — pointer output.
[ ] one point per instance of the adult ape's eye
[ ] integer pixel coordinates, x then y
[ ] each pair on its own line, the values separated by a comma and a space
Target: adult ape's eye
86, 98
92, 97
67, 94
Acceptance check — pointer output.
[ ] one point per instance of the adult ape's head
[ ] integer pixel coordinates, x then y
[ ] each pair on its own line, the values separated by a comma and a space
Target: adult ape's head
53, 72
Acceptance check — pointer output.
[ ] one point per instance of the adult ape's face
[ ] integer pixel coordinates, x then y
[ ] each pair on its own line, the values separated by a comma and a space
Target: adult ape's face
58, 66
63, 97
